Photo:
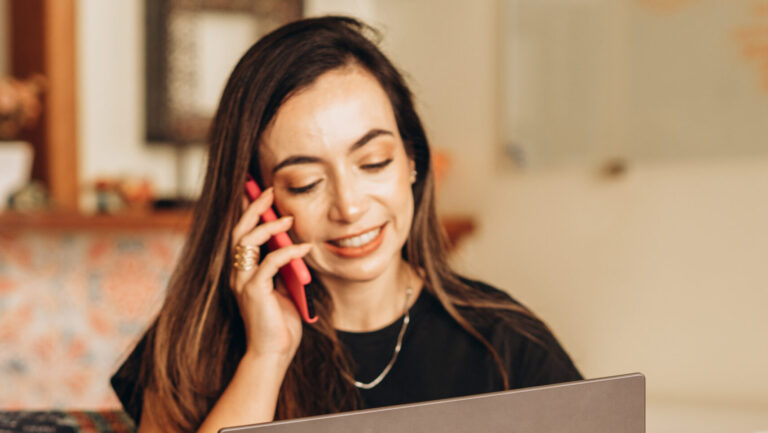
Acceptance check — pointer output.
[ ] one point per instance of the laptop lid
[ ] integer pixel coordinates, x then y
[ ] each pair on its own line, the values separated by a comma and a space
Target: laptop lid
612, 404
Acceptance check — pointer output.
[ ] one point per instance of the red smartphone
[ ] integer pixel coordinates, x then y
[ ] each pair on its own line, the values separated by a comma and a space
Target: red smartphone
295, 275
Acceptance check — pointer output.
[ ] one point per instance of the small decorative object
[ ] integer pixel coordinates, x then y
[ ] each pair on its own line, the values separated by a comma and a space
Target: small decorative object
136, 193
20, 108
20, 105
108, 198
32, 197
116, 195
15, 168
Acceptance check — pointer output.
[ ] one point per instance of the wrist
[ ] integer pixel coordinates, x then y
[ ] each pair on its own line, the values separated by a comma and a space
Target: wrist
263, 373
275, 362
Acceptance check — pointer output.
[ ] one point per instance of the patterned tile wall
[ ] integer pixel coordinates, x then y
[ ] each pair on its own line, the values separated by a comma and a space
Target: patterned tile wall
71, 304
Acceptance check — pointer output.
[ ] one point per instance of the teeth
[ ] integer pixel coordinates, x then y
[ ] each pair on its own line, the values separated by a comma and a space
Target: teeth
358, 241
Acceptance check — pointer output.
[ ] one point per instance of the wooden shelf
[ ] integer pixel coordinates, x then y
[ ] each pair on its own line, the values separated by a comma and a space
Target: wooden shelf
163, 220
457, 227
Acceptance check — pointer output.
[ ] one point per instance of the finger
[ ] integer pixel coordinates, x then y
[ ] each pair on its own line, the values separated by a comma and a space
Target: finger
245, 202
250, 217
263, 232
262, 279
256, 238
238, 277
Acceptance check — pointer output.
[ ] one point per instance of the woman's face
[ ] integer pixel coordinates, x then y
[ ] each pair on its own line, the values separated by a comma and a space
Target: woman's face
339, 167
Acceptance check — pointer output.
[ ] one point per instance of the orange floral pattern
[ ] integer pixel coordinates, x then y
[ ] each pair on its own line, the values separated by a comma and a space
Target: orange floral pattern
71, 304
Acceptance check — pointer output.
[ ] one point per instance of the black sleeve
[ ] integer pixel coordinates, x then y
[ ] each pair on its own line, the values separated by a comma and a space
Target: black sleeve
543, 363
529, 362
125, 382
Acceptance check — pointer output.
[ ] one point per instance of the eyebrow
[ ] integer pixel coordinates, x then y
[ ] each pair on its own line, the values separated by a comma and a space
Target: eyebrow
304, 159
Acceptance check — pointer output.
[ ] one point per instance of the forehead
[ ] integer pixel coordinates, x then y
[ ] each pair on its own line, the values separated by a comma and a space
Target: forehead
341, 106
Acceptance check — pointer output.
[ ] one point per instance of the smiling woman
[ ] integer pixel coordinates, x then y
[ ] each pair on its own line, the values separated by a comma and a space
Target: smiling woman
337, 162
317, 115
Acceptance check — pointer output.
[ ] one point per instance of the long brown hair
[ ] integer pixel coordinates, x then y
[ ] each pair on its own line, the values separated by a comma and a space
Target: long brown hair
195, 343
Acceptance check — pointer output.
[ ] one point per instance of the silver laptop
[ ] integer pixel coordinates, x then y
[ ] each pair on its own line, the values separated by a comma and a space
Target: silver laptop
612, 404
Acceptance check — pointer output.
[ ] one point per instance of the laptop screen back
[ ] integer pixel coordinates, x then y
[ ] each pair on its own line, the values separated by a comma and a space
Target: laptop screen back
614, 404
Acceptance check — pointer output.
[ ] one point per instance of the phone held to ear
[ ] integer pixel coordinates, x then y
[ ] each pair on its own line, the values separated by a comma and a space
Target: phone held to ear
295, 274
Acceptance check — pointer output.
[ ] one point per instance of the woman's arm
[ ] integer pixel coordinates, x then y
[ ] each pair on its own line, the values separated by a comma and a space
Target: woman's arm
251, 396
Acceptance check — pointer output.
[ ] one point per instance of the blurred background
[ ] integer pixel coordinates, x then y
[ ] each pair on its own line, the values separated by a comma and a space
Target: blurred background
604, 161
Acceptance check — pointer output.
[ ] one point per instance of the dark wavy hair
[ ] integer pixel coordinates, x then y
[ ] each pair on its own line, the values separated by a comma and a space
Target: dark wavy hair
198, 338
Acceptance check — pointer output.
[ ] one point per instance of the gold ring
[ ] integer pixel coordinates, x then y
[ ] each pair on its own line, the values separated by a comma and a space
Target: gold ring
246, 257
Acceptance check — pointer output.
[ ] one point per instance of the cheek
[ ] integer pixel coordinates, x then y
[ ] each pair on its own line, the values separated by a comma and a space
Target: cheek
396, 184
306, 215
400, 197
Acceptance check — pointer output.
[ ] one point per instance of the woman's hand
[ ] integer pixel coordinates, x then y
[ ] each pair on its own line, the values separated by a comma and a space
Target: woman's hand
272, 323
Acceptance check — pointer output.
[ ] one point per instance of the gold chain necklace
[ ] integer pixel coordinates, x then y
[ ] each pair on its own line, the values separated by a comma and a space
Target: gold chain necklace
383, 374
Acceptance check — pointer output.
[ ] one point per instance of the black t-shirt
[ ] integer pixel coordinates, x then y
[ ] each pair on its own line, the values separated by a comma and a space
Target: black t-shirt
438, 359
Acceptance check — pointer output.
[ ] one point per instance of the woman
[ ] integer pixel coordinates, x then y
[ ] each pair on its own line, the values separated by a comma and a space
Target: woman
326, 122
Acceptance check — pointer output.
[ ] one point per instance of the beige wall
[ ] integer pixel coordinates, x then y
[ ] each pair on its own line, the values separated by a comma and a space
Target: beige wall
661, 271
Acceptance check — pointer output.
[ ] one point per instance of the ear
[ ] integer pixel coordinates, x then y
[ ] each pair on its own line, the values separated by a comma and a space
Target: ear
414, 173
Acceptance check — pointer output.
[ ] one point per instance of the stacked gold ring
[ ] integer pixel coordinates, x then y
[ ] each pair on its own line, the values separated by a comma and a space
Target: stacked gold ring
246, 257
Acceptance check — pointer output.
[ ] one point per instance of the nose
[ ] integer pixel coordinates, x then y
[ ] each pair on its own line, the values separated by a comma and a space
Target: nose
349, 202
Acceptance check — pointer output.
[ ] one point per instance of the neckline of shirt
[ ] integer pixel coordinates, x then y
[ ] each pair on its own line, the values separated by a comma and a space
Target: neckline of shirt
388, 332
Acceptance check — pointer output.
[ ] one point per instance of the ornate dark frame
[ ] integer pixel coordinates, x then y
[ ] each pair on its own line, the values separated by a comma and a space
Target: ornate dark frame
164, 122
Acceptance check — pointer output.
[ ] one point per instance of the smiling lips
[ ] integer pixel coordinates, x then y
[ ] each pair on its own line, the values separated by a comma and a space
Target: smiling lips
358, 245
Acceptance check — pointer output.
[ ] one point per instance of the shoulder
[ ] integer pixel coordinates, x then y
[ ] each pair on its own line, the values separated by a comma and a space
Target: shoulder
487, 301
527, 346
491, 309
499, 317
483, 286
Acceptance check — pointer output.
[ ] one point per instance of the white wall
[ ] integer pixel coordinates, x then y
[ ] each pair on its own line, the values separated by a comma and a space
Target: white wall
110, 47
